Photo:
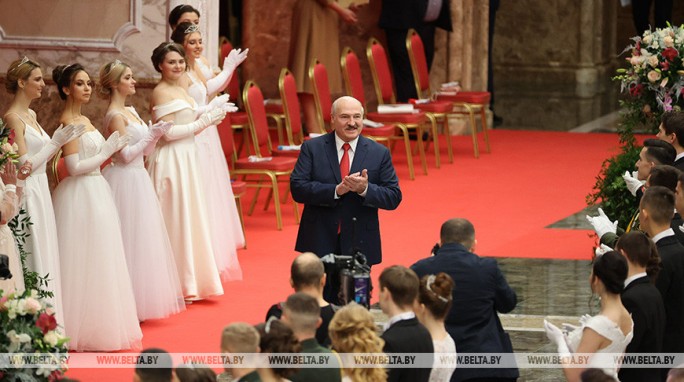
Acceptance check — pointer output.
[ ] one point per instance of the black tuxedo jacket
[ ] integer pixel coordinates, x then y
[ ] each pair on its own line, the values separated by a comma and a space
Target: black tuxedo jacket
313, 183
670, 283
408, 336
480, 291
405, 14
643, 301
679, 164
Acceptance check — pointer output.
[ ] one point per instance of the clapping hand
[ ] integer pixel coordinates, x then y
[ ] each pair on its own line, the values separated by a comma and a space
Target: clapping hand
234, 59
24, 170
557, 337
160, 128
114, 143
356, 182
633, 184
9, 173
602, 225
65, 134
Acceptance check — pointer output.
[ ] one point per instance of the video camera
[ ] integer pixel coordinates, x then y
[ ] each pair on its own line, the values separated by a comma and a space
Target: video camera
4, 268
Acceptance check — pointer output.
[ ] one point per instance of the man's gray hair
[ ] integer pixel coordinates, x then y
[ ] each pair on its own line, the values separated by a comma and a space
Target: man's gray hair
458, 230
342, 99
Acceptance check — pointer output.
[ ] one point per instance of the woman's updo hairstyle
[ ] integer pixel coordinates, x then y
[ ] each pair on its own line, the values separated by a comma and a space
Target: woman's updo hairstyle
178, 11
183, 29
19, 70
611, 268
276, 337
435, 293
110, 75
162, 50
642, 251
63, 75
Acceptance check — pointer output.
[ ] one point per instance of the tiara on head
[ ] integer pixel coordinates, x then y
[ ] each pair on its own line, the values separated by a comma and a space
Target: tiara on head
192, 28
431, 280
23, 61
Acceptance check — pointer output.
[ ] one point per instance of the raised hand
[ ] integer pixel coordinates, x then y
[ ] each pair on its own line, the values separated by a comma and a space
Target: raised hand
65, 134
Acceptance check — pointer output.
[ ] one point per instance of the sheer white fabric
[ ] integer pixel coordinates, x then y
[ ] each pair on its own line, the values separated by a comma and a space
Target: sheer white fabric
149, 256
99, 306
176, 177
443, 346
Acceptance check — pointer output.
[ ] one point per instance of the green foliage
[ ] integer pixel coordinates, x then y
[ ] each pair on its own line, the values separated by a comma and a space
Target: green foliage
32, 280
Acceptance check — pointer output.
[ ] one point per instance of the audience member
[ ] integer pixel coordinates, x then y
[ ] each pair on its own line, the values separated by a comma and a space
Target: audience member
604, 334
241, 337
679, 204
643, 301
301, 313
434, 302
276, 337
307, 275
353, 330
480, 291
403, 332
671, 130
159, 371
655, 216
194, 372
641, 9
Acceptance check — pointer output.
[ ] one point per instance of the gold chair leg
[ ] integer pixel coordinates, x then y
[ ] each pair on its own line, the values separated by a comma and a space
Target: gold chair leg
296, 211
256, 196
447, 135
421, 149
435, 142
483, 116
407, 145
276, 198
473, 129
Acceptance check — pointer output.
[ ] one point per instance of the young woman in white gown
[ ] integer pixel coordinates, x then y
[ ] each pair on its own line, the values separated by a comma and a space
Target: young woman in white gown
9, 206
25, 81
227, 233
610, 331
176, 176
99, 306
149, 256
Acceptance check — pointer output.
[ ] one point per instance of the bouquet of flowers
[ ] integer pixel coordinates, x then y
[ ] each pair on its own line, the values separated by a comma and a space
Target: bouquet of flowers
654, 80
8, 149
28, 328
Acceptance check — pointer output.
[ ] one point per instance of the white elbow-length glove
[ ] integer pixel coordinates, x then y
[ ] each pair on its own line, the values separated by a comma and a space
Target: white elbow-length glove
77, 166
205, 120
230, 63
61, 136
219, 102
130, 152
558, 338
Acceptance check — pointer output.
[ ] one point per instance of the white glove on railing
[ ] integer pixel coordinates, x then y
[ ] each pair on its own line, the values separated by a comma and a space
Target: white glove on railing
633, 184
602, 224
558, 338
230, 63
128, 153
61, 136
205, 120
77, 166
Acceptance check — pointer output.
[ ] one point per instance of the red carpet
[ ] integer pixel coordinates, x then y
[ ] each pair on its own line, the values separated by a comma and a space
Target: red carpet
531, 180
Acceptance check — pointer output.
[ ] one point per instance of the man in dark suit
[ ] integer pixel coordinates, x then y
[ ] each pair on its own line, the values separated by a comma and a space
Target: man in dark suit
671, 130
396, 18
341, 212
241, 337
480, 291
643, 302
404, 333
655, 216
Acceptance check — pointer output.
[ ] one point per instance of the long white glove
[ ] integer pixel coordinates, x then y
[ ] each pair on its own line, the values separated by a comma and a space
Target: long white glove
77, 166
230, 63
215, 103
558, 338
61, 136
602, 225
205, 120
157, 130
130, 152
633, 184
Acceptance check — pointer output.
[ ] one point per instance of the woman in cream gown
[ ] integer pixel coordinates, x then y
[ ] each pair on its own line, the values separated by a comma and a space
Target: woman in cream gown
149, 256
227, 233
176, 176
99, 306
9, 206
25, 81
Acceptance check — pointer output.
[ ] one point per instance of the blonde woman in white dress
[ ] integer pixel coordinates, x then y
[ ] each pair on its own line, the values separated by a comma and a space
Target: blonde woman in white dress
227, 233
175, 171
25, 80
149, 256
99, 306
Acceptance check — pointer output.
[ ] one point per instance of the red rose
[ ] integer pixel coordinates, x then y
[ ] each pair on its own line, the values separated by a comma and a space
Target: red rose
46, 322
669, 54
10, 138
635, 90
665, 65
637, 49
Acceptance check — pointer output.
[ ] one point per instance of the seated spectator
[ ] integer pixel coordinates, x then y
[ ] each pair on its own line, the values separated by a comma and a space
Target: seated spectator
403, 332
643, 301
352, 330
307, 275
194, 372
241, 337
160, 371
434, 302
480, 291
276, 337
303, 315
671, 130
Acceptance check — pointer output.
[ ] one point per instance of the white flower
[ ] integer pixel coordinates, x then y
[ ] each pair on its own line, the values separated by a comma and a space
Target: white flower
668, 41
15, 148
51, 338
16, 340
653, 76
663, 82
648, 38
653, 61
32, 305
6, 147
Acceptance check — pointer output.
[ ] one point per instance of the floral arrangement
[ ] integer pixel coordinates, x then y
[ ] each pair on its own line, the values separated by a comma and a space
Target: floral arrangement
8, 148
29, 329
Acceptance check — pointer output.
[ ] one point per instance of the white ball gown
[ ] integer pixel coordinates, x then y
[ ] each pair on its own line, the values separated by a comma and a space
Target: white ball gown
176, 177
226, 232
8, 209
149, 256
42, 244
99, 306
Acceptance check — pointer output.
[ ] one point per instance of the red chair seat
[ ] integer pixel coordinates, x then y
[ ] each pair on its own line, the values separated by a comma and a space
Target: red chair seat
239, 118
382, 131
275, 164
274, 108
436, 107
239, 187
467, 97
286, 153
410, 118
